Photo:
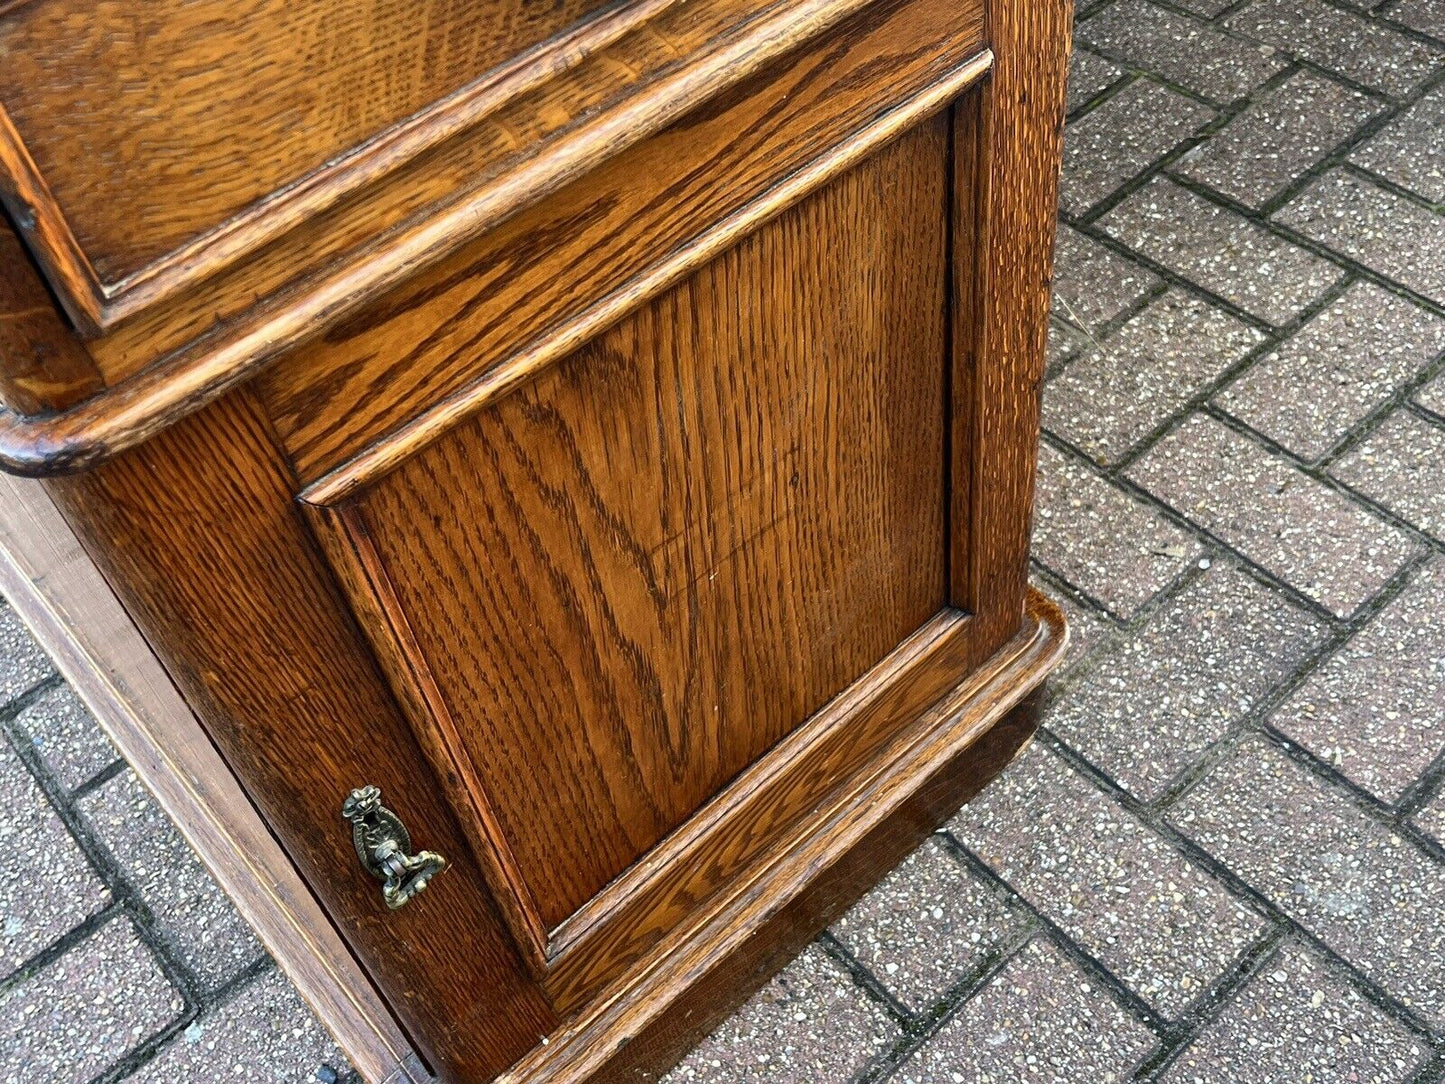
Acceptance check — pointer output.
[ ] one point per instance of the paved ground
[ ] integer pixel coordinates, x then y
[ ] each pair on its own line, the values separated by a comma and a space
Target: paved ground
1224, 860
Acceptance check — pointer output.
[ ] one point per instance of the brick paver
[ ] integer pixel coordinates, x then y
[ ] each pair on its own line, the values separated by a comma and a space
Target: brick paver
1407, 152
1121, 137
1376, 708
1342, 366
1114, 548
1112, 397
1212, 246
1366, 50
189, 910
1185, 50
1273, 141
66, 736
1040, 1019
810, 1023
1224, 858
1401, 466
926, 926
1357, 885
1092, 284
83, 1013
1113, 885
1388, 233
1300, 1021
1150, 706
1293, 525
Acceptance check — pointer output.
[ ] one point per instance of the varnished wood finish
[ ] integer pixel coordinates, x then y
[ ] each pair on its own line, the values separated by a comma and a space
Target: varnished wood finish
797, 128
691, 535
1008, 142
148, 127
624, 460
197, 532
62, 596
900, 794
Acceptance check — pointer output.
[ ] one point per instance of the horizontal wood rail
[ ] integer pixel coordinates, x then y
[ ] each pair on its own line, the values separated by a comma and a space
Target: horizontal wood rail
140, 406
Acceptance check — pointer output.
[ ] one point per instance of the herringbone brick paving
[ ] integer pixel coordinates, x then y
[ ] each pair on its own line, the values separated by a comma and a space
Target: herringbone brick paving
1224, 858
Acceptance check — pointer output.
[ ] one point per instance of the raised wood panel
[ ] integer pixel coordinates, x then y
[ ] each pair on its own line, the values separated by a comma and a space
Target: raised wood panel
199, 534
154, 121
514, 299
630, 578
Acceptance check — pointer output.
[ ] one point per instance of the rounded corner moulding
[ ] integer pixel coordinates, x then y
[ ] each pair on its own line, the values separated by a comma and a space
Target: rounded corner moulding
367, 169
167, 390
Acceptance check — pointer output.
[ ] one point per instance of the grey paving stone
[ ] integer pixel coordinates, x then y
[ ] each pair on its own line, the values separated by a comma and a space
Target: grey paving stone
66, 736
1338, 369
1065, 344
1296, 1020
1432, 396
1098, 538
1431, 818
1402, 466
810, 1025
1039, 1020
22, 662
1093, 284
46, 884
1408, 151
1362, 889
1158, 922
1278, 137
264, 1033
1087, 627
1385, 232
926, 926
1235, 258
1426, 16
190, 908
1120, 138
1089, 76
1112, 397
1157, 699
1207, 8
1301, 530
1183, 50
1376, 708
86, 1011
1353, 45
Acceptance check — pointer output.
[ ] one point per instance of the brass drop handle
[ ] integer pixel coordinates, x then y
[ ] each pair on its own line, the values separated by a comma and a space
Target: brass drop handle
384, 846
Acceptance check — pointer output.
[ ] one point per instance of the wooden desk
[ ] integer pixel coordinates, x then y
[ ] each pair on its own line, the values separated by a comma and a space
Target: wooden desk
606, 430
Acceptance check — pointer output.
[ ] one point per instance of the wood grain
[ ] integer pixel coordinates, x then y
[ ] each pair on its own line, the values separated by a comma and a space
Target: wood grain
663, 432
1007, 144
640, 571
62, 596
887, 807
895, 52
197, 533
155, 123
549, 280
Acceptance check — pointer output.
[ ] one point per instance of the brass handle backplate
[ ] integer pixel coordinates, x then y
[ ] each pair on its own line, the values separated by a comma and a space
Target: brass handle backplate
384, 846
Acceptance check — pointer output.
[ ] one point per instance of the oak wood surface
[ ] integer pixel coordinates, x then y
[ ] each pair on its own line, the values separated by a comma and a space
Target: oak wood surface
636, 573
62, 596
889, 805
164, 364
197, 533
597, 448
548, 280
152, 124
1007, 148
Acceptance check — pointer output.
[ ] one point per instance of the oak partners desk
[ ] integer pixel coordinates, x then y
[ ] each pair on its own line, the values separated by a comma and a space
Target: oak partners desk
540, 491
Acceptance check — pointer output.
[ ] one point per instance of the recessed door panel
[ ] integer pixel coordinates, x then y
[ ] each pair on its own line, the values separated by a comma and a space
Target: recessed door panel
615, 589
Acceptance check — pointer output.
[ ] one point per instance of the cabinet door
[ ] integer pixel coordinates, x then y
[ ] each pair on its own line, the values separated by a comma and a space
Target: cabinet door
650, 607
